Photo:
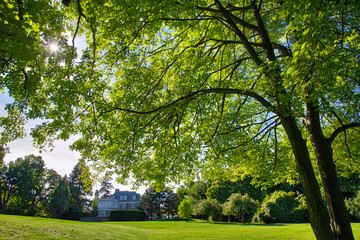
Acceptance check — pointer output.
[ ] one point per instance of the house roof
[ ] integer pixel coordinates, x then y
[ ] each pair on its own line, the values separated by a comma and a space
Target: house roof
129, 195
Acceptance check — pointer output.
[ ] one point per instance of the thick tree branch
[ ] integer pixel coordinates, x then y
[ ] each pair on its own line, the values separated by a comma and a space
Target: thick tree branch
254, 95
264, 34
234, 18
239, 33
341, 129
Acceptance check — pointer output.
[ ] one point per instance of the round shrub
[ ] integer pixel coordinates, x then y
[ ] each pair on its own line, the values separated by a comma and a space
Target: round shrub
283, 207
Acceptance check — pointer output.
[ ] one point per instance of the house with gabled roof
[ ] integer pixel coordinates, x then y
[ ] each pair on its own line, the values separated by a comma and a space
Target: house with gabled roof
120, 200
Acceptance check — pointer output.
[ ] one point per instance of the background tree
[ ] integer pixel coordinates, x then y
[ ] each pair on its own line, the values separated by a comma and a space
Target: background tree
221, 189
155, 202
8, 182
60, 198
185, 209
282, 206
209, 209
105, 188
170, 202
239, 205
29, 182
151, 201
52, 179
194, 190
80, 188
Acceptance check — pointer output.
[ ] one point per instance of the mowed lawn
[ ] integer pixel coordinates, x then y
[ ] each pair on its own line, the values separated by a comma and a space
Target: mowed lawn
19, 227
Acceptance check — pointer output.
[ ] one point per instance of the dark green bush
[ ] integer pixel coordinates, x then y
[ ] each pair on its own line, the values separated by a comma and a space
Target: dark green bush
282, 207
16, 208
353, 207
127, 215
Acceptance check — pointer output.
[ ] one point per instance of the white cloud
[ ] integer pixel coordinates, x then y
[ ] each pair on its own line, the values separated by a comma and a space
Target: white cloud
61, 159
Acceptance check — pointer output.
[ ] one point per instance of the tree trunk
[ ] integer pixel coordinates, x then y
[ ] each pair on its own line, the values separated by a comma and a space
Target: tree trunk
339, 217
319, 217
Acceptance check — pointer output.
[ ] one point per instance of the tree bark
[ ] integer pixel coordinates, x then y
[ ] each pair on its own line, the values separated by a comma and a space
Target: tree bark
339, 217
319, 218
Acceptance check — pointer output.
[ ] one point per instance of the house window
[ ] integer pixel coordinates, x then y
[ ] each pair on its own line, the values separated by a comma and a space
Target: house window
133, 205
122, 205
123, 197
99, 204
133, 197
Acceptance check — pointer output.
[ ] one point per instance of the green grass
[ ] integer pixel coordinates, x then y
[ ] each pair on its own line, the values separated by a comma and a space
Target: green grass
20, 227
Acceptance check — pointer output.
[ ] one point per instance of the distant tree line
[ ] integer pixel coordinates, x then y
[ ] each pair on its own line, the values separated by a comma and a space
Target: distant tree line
27, 187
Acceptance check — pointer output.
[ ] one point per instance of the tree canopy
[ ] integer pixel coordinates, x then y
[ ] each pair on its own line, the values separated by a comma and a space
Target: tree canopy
185, 209
239, 205
166, 90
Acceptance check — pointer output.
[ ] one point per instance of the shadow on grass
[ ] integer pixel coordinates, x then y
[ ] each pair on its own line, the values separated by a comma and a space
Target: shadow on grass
240, 224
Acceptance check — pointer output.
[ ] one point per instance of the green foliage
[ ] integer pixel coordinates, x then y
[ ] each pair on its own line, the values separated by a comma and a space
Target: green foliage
221, 190
80, 188
239, 205
105, 188
27, 64
60, 198
185, 209
353, 206
282, 207
22, 183
209, 209
165, 201
150, 201
170, 202
125, 215
195, 191
350, 184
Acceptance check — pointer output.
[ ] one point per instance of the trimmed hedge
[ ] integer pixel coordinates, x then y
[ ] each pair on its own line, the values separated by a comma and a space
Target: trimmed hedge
127, 215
